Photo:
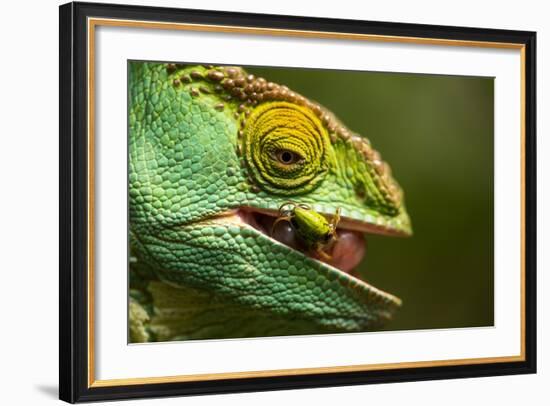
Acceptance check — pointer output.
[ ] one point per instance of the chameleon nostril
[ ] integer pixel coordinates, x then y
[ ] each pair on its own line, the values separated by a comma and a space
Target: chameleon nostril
360, 191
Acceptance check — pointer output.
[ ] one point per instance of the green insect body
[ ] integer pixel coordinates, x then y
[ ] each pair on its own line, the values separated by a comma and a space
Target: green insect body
313, 229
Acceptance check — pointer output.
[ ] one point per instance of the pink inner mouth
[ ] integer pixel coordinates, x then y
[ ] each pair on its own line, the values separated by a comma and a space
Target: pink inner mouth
345, 253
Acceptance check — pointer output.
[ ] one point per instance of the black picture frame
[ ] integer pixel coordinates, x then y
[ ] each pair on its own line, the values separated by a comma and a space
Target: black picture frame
74, 199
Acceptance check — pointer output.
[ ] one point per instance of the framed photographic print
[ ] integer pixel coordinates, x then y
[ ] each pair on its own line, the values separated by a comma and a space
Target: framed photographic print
254, 202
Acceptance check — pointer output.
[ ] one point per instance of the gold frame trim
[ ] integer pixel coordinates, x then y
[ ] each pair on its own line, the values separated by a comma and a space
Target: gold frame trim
94, 22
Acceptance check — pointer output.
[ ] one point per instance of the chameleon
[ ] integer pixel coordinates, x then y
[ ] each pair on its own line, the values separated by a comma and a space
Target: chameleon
213, 154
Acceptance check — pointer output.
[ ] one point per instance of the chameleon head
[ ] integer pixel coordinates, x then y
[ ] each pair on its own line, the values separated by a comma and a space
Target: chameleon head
291, 151
214, 152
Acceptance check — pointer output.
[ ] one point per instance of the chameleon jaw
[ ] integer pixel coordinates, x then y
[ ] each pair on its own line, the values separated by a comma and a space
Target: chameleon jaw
250, 217
335, 299
379, 302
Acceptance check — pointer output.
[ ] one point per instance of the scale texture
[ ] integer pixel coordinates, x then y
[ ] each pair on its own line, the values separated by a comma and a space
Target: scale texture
206, 141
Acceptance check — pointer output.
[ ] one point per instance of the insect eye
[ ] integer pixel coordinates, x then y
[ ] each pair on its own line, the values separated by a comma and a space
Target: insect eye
287, 157
328, 237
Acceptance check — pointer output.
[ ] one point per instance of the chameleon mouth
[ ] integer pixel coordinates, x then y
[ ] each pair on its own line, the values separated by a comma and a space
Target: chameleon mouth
344, 254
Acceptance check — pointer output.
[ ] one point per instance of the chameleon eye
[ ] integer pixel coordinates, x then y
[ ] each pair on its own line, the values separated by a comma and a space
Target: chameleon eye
286, 148
287, 157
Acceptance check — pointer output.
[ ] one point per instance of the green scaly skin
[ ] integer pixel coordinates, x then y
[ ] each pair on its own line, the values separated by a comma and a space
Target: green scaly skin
205, 142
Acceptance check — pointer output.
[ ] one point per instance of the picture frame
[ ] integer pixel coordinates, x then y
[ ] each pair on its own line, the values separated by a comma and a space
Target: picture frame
79, 161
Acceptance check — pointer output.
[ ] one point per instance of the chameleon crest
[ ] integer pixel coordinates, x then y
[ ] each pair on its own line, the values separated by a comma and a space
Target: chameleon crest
214, 152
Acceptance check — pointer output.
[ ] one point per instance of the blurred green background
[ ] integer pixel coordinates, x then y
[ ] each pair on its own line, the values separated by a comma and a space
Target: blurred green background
436, 132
